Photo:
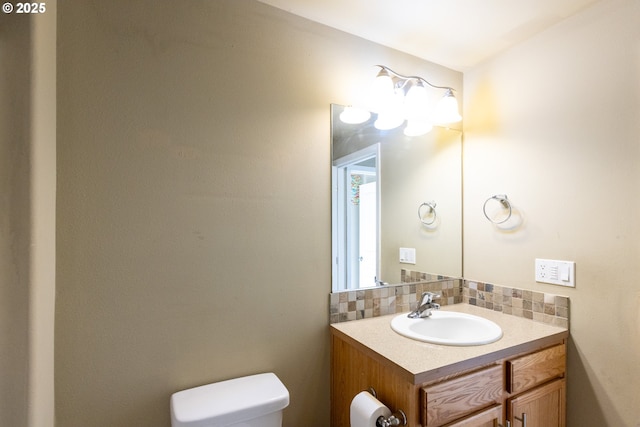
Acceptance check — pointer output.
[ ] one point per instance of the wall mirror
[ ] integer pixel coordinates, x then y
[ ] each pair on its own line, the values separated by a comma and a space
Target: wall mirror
396, 203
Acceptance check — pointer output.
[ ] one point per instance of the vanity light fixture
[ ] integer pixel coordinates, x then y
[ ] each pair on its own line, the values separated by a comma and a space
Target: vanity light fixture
399, 98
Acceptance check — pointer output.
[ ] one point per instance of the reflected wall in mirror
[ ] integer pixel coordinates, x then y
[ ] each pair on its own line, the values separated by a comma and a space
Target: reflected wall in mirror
380, 179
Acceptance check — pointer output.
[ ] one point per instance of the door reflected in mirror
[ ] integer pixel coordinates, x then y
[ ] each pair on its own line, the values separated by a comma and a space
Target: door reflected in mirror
380, 179
356, 213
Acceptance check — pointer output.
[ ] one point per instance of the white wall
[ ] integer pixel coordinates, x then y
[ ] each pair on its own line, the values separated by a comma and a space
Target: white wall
554, 123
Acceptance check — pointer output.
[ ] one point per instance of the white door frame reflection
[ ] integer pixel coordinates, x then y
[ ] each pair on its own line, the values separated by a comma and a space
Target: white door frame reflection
356, 218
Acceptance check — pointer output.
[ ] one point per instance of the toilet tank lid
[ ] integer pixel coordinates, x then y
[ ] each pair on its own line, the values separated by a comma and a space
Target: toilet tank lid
234, 400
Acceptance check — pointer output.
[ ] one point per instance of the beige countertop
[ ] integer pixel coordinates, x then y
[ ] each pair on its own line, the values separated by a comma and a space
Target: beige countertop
421, 362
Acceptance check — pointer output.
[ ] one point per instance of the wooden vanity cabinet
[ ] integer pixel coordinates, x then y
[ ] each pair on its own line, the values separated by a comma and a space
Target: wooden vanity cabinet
478, 393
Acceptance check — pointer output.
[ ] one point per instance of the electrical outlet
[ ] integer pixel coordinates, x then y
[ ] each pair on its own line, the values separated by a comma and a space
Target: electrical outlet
561, 273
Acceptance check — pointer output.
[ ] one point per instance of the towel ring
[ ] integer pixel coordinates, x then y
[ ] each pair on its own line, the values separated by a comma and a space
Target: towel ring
504, 201
432, 210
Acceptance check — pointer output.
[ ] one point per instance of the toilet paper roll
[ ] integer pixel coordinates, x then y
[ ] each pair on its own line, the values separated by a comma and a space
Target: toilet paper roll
366, 409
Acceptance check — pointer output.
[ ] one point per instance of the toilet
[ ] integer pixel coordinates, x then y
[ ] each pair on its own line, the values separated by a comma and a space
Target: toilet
253, 401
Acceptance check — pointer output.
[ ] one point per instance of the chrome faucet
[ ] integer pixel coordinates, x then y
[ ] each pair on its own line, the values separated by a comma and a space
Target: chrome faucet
425, 306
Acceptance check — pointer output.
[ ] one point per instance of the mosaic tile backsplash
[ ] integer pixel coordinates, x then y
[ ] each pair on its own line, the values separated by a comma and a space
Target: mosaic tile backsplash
542, 307
360, 304
380, 301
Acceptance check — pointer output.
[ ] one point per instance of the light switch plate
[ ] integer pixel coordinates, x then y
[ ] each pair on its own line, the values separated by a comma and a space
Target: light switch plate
408, 255
555, 272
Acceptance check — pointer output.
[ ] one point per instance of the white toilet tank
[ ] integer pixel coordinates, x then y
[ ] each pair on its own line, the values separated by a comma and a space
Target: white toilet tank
253, 401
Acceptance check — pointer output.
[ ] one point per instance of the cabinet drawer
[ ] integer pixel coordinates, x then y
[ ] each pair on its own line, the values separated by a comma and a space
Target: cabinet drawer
457, 397
491, 417
528, 371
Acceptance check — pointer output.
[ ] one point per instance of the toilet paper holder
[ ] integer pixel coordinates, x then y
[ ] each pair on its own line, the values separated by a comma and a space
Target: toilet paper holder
398, 418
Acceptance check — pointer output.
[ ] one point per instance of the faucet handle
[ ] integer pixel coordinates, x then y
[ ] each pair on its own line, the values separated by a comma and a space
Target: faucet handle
428, 297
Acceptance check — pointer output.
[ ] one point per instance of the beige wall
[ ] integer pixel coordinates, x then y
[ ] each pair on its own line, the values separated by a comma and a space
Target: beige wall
27, 217
554, 124
193, 220
413, 171
14, 218
194, 201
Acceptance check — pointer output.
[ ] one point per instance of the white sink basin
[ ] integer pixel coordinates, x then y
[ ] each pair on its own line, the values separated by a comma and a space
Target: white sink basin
448, 328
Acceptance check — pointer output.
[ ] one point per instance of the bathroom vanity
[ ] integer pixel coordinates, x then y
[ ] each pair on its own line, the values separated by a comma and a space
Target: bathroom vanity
516, 381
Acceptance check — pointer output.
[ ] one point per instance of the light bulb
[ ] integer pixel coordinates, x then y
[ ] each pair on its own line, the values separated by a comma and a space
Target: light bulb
447, 110
383, 89
416, 101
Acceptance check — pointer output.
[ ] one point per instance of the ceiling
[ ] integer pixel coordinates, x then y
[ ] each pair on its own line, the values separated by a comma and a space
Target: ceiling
458, 34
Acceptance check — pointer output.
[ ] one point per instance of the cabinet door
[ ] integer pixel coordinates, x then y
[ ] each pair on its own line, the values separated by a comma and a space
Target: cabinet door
491, 417
543, 406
